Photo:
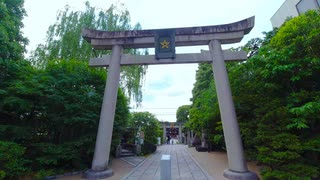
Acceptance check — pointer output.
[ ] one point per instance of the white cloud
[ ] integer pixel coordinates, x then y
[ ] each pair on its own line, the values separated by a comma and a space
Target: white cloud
174, 94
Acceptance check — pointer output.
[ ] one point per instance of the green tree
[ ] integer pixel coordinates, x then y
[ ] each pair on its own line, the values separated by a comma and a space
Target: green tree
49, 115
12, 42
12, 162
12, 46
183, 113
64, 41
202, 98
148, 123
204, 112
253, 46
54, 114
15, 108
276, 94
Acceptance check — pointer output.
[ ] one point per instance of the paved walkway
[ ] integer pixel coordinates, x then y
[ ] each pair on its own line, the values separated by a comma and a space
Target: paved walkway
186, 163
183, 166
133, 160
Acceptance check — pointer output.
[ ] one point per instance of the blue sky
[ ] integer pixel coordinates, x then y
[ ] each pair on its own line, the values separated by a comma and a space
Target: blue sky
166, 87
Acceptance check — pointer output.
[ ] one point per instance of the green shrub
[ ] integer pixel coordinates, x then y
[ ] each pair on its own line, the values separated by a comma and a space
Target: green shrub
293, 171
2, 174
43, 173
148, 148
12, 163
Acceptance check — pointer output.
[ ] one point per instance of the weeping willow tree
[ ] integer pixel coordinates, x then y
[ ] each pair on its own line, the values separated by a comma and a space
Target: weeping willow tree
64, 41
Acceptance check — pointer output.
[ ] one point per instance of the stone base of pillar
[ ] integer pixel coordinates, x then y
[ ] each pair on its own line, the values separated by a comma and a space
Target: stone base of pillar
239, 175
92, 174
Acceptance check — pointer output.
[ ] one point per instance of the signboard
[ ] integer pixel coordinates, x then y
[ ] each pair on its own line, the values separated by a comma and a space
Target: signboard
165, 44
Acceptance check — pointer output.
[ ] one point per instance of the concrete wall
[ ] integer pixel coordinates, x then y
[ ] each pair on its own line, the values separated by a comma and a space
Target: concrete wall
305, 5
287, 9
292, 8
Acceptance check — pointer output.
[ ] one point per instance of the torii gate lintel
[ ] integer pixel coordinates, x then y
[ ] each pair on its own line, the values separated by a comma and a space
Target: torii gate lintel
204, 56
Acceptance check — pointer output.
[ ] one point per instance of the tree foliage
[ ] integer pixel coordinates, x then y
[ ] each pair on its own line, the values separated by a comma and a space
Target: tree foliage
49, 115
183, 113
276, 94
64, 41
53, 113
12, 162
12, 42
149, 125
204, 111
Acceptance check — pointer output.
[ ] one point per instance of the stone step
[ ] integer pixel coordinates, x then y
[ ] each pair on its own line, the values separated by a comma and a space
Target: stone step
127, 154
125, 151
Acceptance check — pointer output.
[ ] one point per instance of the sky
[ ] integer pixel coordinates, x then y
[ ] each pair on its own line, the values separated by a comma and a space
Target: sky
166, 87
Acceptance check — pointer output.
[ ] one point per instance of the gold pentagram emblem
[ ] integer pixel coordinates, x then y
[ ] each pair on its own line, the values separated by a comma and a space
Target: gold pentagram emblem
165, 44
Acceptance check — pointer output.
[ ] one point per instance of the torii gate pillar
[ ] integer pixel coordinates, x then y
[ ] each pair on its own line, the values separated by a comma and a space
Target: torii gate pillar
236, 161
100, 160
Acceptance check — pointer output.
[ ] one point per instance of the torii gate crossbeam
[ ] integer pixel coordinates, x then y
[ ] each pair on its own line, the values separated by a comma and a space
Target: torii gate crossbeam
213, 36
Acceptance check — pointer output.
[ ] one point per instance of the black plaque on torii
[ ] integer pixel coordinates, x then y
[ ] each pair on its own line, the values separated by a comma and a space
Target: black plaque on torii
165, 44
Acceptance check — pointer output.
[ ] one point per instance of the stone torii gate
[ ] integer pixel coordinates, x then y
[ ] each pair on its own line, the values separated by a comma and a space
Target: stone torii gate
213, 36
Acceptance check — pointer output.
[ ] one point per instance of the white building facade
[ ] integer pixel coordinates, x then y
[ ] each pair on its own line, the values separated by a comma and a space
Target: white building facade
293, 8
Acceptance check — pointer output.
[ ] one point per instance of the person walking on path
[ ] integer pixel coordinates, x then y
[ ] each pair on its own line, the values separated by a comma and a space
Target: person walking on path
168, 139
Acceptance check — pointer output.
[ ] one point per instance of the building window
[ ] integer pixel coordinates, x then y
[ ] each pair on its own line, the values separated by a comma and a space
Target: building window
305, 5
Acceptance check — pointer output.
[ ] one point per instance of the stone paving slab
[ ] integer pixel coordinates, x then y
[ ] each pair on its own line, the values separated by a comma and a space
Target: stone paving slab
133, 160
183, 166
